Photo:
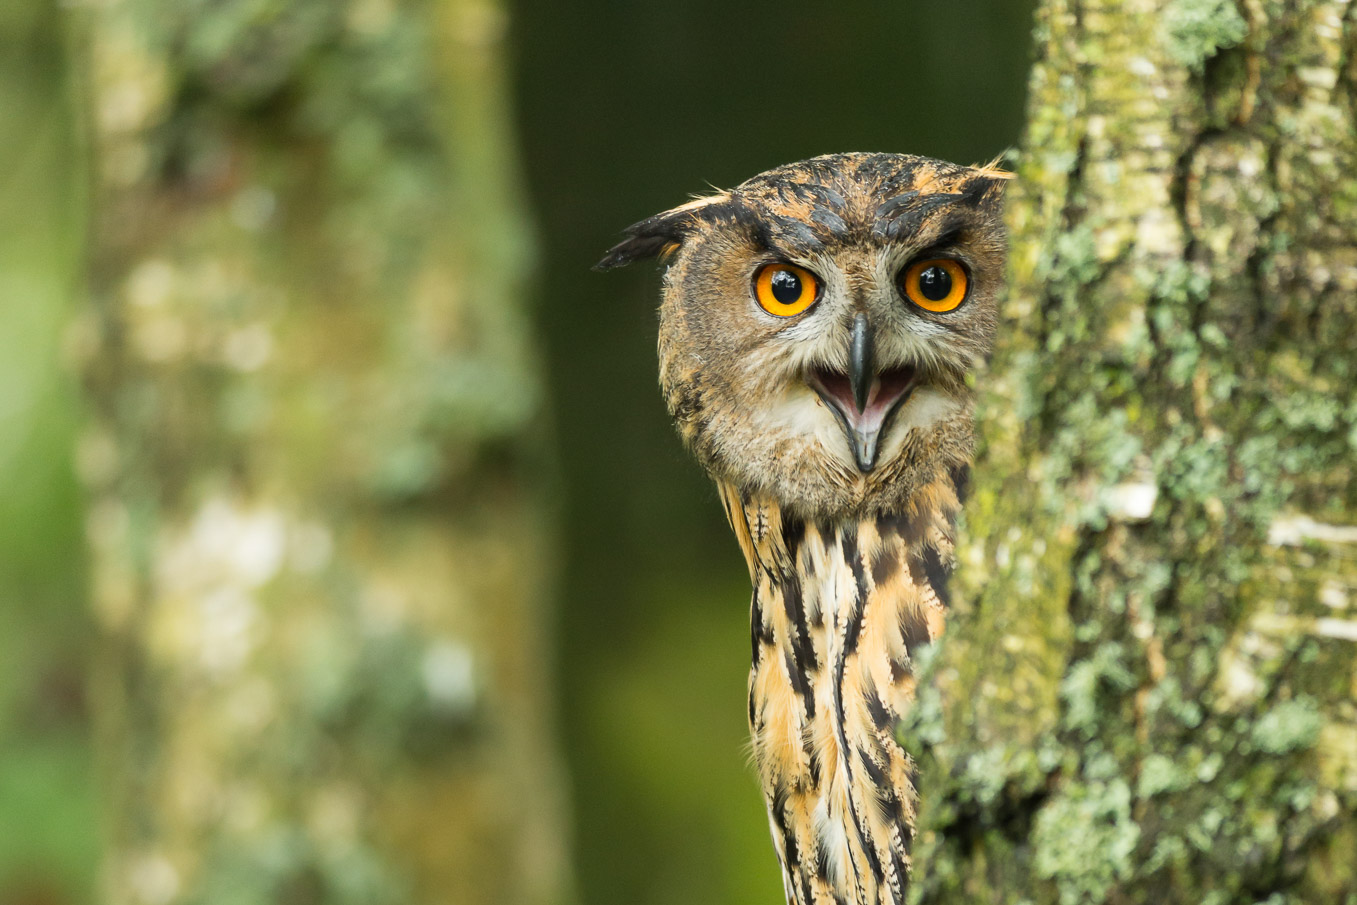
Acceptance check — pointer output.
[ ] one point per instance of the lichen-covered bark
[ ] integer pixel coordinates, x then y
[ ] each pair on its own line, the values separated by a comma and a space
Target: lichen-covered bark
1150, 690
319, 558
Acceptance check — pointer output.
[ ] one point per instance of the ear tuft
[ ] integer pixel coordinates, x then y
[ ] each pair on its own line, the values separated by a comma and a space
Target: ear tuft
660, 235
984, 186
633, 249
994, 169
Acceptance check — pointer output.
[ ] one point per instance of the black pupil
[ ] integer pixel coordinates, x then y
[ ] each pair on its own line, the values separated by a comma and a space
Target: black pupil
935, 284
786, 287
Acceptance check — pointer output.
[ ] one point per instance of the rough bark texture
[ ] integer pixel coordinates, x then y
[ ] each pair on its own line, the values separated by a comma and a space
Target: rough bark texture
319, 559
1149, 694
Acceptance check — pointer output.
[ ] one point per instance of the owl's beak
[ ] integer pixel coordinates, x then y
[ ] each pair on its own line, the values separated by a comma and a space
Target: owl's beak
864, 399
861, 361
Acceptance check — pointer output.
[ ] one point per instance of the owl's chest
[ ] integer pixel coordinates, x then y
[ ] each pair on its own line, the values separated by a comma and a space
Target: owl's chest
830, 679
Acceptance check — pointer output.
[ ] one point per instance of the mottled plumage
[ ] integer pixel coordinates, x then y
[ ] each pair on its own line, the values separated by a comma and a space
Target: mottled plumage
839, 435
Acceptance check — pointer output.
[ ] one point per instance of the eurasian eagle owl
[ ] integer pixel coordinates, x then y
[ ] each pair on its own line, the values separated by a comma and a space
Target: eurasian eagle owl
818, 325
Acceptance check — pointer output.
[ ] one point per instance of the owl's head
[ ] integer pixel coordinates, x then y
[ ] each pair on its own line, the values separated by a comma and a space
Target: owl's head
820, 320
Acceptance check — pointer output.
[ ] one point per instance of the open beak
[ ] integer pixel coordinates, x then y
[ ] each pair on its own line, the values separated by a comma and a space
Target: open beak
863, 399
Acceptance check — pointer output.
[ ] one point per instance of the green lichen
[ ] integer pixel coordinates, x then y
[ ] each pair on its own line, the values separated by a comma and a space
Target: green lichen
1083, 840
1084, 684
985, 775
1159, 773
284, 864
1196, 30
1289, 726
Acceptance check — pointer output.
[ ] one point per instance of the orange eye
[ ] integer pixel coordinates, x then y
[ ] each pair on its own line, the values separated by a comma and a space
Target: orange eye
937, 285
785, 290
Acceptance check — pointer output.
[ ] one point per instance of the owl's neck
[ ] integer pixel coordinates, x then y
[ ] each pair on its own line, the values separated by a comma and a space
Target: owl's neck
839, 611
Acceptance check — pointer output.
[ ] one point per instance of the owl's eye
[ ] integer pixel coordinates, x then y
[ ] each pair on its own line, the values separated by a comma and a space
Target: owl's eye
937, 285
785, 290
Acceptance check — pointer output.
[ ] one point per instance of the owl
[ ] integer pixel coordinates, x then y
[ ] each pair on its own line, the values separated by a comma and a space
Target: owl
819, 327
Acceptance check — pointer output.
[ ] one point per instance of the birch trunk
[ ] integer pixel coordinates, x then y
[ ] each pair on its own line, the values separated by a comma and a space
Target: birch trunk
1149, 694
321, 563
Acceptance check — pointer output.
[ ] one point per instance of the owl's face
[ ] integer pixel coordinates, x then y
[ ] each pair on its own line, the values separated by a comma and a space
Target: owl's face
819, 322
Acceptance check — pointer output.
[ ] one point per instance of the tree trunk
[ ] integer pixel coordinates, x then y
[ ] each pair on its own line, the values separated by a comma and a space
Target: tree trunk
45, 632
320, 557
1149, 693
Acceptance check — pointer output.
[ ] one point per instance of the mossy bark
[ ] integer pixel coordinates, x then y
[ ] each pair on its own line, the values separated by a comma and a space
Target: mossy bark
1149, 692
320, 558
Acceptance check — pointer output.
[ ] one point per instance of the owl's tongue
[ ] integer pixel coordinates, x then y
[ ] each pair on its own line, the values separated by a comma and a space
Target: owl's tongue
863, 426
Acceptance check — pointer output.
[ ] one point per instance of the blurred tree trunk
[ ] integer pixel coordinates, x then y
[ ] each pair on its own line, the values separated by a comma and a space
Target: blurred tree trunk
1150, 695
45, 629
320, 552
